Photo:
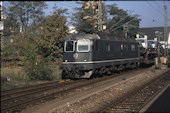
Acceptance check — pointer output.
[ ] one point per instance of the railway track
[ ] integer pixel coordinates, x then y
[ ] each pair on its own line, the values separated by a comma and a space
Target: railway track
19, 91
31, 96
136, 99
16, 100
20, 98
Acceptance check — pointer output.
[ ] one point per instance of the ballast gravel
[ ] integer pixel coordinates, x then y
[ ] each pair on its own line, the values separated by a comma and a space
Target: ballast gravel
91, 98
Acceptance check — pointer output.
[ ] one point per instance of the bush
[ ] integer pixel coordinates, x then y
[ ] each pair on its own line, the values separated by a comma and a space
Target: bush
35, 67
20, 63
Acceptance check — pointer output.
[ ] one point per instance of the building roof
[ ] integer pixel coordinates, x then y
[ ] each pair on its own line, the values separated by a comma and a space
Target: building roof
150, 32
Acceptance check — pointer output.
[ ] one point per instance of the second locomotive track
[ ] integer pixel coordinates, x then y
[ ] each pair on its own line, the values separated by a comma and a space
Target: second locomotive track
136, 99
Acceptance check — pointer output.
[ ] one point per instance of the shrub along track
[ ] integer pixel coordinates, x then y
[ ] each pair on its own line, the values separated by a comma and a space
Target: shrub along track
17, 99
136, 99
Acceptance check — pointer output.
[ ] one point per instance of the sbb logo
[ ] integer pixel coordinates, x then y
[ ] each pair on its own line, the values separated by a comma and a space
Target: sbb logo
75, 55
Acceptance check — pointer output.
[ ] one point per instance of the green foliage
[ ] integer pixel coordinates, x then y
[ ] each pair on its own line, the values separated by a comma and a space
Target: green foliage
35, 67
13, 46
20, 63
25, 12
38, 38
50, 38
22, 19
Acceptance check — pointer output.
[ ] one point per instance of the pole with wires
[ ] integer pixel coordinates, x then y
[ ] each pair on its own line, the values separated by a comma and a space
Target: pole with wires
157, 60
165, 30
123, 24
125, 28
100, 16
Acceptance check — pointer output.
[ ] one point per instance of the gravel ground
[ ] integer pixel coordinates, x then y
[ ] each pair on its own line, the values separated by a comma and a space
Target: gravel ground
91, 98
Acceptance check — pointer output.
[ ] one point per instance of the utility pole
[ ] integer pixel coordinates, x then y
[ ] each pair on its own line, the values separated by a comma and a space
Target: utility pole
100, 26
125, 28
1, 23
157, 60
165, 29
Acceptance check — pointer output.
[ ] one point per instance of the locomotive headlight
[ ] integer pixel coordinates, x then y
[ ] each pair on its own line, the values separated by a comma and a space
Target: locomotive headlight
85, 60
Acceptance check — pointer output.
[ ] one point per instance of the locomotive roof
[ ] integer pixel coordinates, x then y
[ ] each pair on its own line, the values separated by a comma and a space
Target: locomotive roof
99, 35
81, 36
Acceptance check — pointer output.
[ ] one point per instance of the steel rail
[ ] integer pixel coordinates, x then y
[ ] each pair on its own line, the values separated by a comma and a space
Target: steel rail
35, 91
151, 98
20, 89
130, 93
20, 105
47, 97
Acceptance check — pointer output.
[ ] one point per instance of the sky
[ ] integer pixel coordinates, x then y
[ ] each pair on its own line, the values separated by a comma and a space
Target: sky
151, 12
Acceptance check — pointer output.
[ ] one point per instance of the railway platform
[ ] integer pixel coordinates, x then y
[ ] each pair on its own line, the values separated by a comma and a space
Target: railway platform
160, 103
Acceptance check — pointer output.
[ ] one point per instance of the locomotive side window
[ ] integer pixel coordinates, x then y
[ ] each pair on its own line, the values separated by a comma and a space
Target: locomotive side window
83, 45
117, 47
126, 47
132, 47
107, 47
121, 46
91, 45
96, 46
69, 46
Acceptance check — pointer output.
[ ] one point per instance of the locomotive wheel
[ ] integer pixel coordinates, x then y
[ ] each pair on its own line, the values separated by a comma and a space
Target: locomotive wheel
63, 75
101, 72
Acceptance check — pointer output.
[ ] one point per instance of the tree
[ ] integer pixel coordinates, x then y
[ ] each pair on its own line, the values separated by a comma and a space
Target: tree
36, 67
22, 19
51, 35
86, 17
115, 24
26, 12
119, 18
82, 24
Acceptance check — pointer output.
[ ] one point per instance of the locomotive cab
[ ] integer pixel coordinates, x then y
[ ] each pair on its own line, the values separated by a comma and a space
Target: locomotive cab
77, 50
76, 57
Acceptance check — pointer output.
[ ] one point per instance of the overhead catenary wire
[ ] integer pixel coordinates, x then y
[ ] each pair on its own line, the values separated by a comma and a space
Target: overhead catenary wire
146, 20
118, 22
123, 24
155, 8
157, 4
66, 4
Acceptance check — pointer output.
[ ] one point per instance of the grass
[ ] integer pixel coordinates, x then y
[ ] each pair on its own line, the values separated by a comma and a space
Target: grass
18, 77
152, 70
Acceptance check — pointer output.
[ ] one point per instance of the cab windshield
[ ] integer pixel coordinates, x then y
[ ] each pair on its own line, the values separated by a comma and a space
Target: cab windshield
69, 45
83, 45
